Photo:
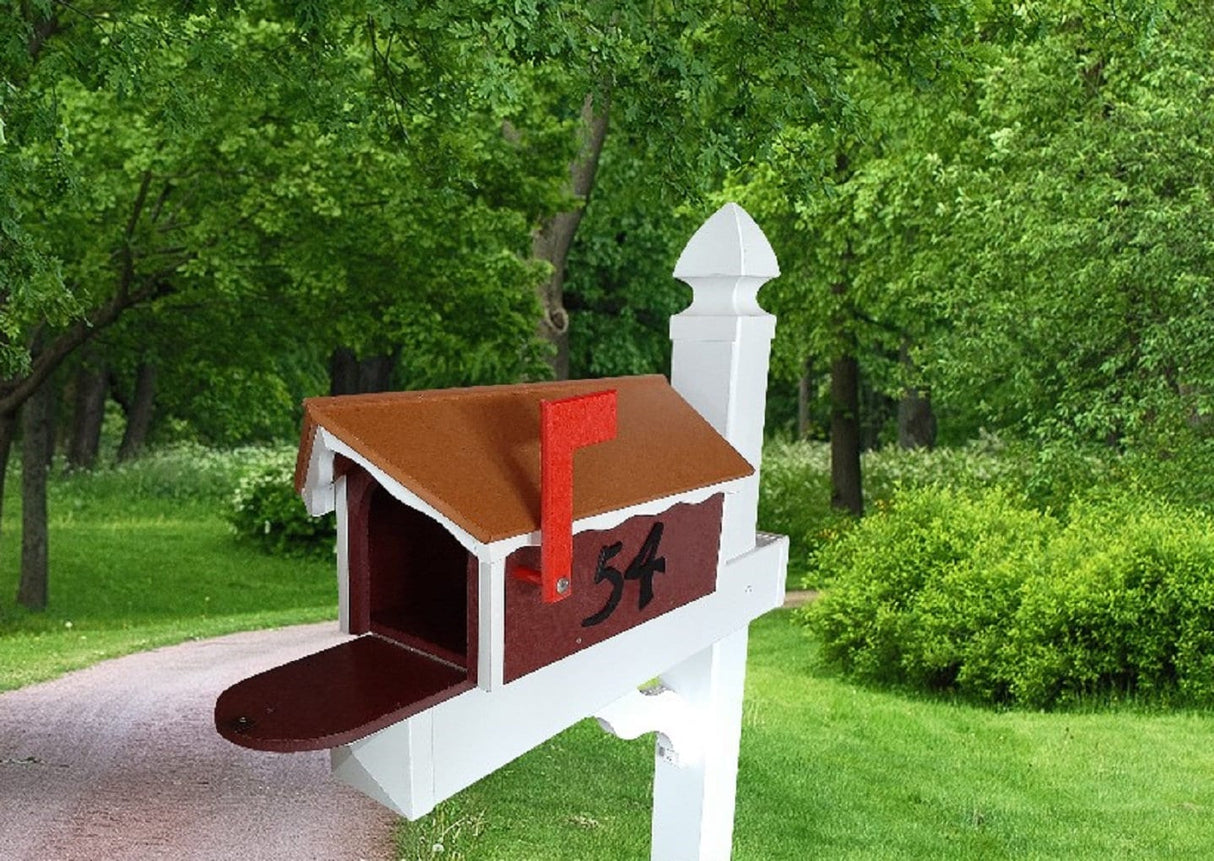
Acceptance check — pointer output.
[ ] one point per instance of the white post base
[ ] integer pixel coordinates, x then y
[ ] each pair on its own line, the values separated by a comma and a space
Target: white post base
697, 715
693, 802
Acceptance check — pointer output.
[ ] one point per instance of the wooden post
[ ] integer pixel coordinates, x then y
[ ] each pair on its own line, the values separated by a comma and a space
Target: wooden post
722, 343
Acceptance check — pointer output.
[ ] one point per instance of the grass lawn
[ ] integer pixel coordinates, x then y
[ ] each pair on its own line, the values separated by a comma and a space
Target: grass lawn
830, 770
135, 571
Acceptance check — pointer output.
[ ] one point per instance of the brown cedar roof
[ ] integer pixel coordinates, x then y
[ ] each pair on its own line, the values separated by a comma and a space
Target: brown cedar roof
473, 454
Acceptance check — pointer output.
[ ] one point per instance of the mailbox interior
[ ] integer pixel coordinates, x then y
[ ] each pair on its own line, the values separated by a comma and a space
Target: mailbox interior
412, 589
411, 581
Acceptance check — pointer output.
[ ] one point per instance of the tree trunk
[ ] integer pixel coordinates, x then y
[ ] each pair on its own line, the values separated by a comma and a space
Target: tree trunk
139, 416
343, 372
804, 395
8, 430
845, 478
36, 450
846, 488
88, 414
553, 239
375, 373
916, 421
349, 375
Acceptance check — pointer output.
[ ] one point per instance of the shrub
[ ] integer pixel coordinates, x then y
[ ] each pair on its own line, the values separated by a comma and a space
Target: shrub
794, 496
919, 587
794, 500
1121, 601
266, 510
181, 471
981, 594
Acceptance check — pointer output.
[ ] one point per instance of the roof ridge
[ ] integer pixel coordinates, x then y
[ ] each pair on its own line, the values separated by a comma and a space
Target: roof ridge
473, 391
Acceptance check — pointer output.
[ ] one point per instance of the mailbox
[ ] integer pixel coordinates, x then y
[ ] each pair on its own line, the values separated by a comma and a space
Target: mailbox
512, 559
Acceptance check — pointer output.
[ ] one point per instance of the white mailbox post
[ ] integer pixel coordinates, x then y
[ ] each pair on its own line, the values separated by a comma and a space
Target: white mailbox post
514, 559
722, 344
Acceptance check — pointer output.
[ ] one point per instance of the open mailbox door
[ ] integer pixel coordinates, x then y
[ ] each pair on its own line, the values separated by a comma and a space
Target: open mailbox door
334, 697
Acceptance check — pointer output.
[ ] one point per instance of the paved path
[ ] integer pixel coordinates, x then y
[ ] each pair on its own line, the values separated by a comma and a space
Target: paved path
799, 597
121, 761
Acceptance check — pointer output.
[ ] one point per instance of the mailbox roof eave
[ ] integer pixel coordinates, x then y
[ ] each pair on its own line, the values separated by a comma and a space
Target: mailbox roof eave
473, 454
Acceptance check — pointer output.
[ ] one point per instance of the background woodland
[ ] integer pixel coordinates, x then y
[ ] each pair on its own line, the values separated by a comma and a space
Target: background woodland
992, 217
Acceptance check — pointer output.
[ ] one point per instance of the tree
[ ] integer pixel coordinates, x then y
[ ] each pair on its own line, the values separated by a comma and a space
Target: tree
131, 136
1032, 246
44, 314
207, 165
850, 233
697, 88
1079, 225
619, 291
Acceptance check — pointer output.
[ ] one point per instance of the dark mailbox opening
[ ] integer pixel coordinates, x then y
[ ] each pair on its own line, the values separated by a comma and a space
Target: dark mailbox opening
413, 589
410, 580
418, 579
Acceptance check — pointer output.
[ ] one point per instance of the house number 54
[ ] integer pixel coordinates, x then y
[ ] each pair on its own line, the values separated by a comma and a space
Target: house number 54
643, 566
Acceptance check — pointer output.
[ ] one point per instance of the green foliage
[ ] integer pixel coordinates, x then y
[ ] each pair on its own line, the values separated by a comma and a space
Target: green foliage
930, 556
1025, 233
174, 473
266, 511
980, 594
1122, 601
1072, 245
850, 207
1175, 468
794, 500
794, 490
618, 289
230, 196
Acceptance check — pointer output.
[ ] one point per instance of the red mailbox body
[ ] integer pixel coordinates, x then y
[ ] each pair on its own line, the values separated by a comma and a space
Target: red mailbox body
438, 496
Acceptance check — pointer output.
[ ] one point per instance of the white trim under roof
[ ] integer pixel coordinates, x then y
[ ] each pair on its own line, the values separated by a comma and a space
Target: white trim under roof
320, 498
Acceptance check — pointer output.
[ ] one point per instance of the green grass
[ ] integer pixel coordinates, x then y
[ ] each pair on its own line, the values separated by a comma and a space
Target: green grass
141, 559
831, 770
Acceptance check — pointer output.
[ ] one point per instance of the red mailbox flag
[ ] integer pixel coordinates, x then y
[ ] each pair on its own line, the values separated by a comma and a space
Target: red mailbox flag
565, 425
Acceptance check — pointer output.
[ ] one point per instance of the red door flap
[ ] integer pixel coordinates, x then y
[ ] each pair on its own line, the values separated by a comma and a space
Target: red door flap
335, 696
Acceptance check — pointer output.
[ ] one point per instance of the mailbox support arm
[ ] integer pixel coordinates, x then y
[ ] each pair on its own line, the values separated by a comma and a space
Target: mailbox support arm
660, 710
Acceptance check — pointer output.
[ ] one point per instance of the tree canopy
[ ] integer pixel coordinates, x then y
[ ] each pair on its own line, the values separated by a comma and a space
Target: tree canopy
1079, 218
995, 213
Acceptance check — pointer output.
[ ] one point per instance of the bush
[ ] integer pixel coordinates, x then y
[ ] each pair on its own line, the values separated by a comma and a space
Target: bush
981, 594
918, 588
181, 471
266, 510
1122, 601
794, 494
794, 500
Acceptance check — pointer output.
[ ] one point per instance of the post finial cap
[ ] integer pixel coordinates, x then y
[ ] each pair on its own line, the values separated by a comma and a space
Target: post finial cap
725, 263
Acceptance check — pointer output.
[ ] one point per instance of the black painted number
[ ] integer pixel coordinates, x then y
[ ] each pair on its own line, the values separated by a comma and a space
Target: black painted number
646, 564
602, 572
643, 566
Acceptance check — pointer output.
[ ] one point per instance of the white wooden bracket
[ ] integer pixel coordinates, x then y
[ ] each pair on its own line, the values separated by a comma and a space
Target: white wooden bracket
660, 710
